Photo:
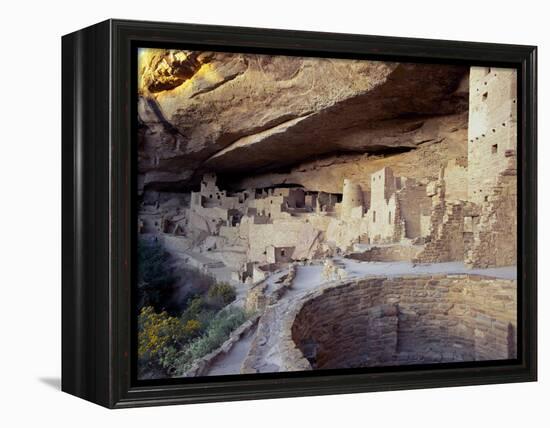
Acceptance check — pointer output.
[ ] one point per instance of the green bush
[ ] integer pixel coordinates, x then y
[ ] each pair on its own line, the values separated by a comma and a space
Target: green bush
195, 306
221, 294
217, 332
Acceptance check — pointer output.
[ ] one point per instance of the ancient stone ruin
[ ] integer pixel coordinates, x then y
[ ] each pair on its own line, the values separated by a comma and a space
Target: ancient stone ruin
411, 320
252, 165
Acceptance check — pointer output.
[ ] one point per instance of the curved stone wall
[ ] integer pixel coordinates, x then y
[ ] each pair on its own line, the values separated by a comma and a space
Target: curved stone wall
352, 197
406, 320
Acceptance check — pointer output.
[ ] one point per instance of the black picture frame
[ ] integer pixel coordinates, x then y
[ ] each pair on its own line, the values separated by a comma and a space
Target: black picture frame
97, 210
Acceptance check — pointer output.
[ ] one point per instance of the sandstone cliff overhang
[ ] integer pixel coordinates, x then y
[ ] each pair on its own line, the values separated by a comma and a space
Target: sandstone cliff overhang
248, 114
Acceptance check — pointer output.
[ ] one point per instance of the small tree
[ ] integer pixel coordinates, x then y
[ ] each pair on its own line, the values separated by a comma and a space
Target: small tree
221, 294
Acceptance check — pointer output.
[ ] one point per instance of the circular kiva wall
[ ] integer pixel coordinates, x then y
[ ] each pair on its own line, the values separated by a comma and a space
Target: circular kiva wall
410, 320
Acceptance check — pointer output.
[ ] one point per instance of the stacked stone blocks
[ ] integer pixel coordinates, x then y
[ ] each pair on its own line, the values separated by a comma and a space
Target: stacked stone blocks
408, 320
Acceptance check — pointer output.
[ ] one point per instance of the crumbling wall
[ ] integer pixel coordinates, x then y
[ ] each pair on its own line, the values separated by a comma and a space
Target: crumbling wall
271, 207
294, 198
398, 208
302, 236
256, 299
494, 237
385, 224
413, 204
456, 180
445, 241
344, 233
279, 254
209, 220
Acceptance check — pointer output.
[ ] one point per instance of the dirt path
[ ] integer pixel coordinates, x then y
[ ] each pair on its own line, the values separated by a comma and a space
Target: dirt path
231, 362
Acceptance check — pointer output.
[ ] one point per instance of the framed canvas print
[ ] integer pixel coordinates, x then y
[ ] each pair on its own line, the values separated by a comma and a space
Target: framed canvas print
253, 213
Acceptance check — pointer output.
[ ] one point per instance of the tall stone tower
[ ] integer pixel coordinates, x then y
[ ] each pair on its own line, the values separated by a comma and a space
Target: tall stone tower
352, 198
492, 167
382, 185
492, 128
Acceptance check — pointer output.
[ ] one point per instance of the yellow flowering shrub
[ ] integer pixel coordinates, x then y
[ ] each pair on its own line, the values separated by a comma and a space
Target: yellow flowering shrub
192, 327
157, 331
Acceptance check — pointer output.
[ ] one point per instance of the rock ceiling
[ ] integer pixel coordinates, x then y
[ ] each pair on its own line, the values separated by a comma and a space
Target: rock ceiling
243, 115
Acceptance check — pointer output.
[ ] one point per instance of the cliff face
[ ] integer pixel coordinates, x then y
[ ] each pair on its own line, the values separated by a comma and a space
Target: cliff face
445, 140
262, 119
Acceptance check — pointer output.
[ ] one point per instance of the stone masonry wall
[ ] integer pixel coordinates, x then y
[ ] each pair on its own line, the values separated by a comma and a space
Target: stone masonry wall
413, 205
303, 236
446, 234
456, 179
384, 222
408, 320
344, 233
496, 227
486, 237
352, 197
492, 127
492, 167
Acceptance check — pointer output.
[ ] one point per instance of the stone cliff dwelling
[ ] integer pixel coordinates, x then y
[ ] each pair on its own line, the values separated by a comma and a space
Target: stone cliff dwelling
414, 165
